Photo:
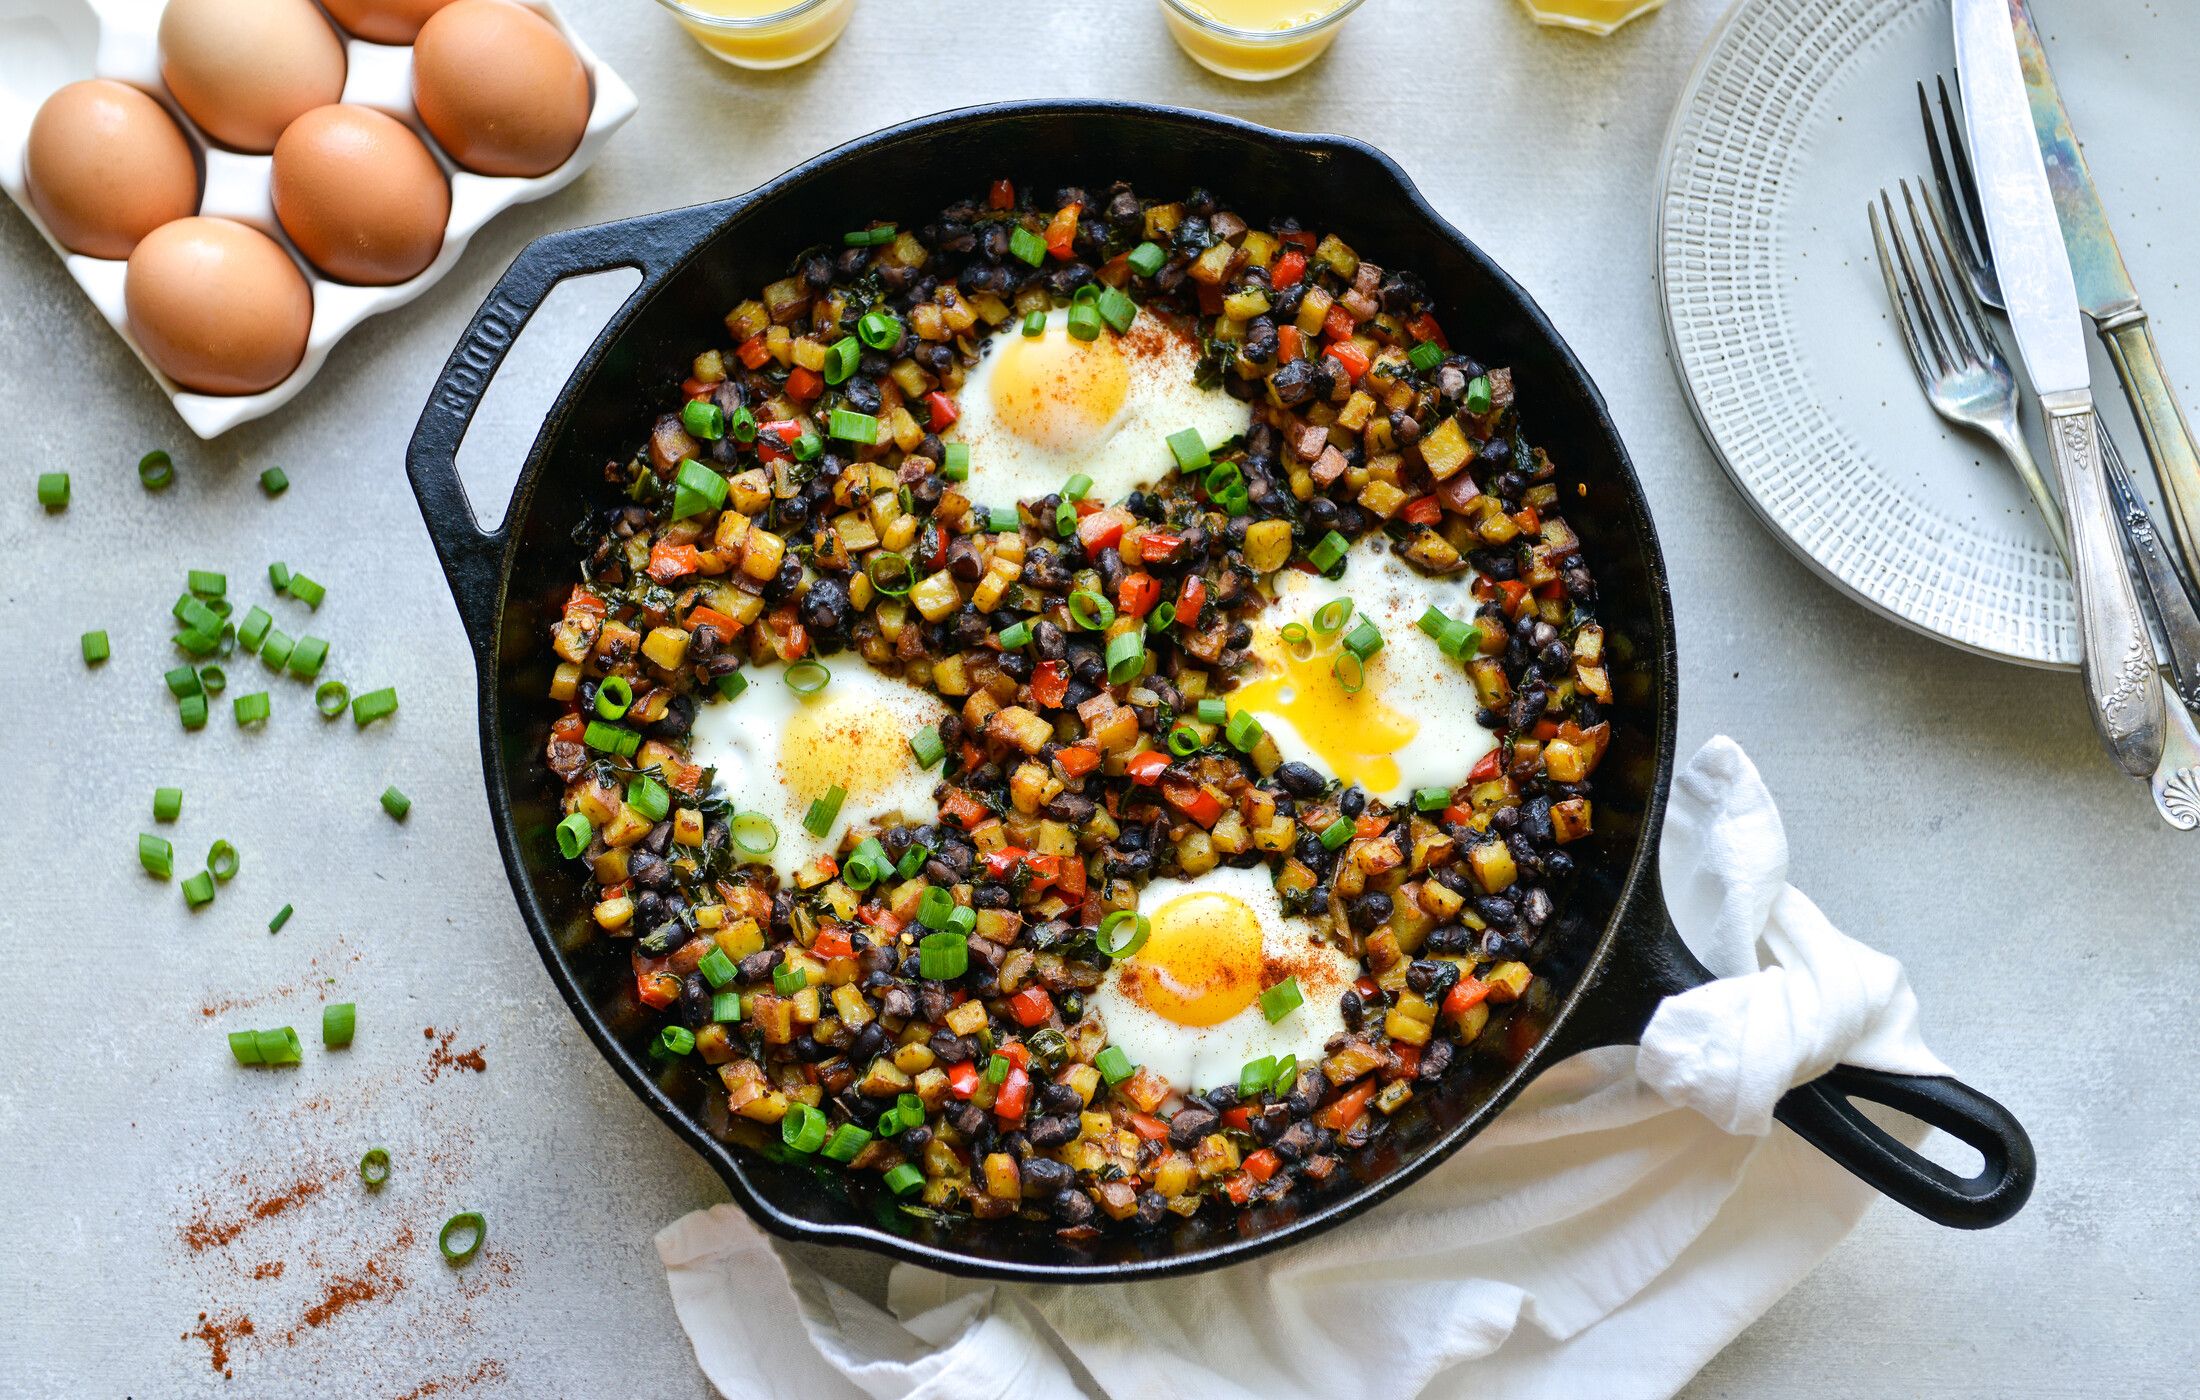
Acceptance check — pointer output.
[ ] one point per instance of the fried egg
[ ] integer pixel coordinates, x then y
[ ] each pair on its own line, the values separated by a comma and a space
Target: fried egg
1411, 723
1038, 410
776, 751
1186, 1005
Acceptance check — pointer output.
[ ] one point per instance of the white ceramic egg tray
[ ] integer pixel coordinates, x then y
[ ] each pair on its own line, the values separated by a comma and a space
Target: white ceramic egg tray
48, 44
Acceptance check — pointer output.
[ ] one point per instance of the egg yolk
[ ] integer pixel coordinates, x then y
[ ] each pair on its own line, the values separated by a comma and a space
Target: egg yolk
1060, 392
845, 743
1353, 733
1201, 963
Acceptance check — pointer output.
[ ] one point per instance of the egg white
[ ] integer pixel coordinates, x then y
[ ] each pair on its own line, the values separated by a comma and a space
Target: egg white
1409, 677
1197, 1058
776, 751
1125, 453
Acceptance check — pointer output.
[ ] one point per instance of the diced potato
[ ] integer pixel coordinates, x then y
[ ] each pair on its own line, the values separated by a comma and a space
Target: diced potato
614, 914
1020, 728
1405, 1029
666, 646
850, 1005
628, 827
1339, 257
1446, 449
1383, 498
1268, 545
1174, 1175
883, 1079
935, 597
1083, 1078
1570, 819
1215, 1155
1392, 1097
1002, 1179
1508, 981
1565, 762
1493, 866
761, 555
914, 1058
967, 1019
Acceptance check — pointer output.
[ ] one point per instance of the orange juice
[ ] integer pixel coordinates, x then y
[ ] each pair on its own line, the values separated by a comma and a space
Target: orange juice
1255, 40
763, 33
1599, 17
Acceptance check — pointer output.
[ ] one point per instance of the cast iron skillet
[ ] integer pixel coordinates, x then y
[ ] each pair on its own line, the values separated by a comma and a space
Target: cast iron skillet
1615, 955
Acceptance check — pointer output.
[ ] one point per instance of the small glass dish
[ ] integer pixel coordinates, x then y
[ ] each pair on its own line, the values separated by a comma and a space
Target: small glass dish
1254, 55
780, 38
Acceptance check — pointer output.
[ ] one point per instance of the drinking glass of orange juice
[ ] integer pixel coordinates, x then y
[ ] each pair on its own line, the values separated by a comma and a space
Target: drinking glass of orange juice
763, 33
1255, 40
1598, 17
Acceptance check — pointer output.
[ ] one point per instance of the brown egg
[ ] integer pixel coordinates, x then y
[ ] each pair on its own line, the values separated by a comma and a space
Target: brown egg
384, 21
499, 87
218, 306
245, 69
106, 166
360, 195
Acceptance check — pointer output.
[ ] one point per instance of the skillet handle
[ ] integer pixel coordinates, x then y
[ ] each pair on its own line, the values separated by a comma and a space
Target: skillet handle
1649, 963
472, 556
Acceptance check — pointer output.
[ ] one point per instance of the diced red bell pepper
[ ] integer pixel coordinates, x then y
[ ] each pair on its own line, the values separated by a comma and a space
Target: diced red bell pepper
1190, 599
1072, 878
1263, 1164
962, 1079
1546, 730
581, 600
1424, 327
1001, 864
694, 388
1102, 528
774, 438
1424, 510
1016, 1053
1031, 1006
1240, 1118
569, 727
754, 352
1338, 324
1351, 356
788, 636
880, 917
1299, 238
1146, 768
804, 385
1015, 1094
700, 616
1409, 1060
943, 410
1210, 299
1556, 588
1288, 344
964, 810
1366, 987
832, 943
657, 987
1001, 196
1149, 1127
1238, 1186
1465, 994
1137, 593
1194, 801
1487, 767
1347, 1108
1078, 759
1159, 546
668, 561
1050, 684
1515, 594
1458, 815
1287, 270
1062, 229
1369, 825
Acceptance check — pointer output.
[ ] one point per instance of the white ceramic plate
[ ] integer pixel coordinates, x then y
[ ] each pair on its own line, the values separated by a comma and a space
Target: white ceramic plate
1798, 113
47, 44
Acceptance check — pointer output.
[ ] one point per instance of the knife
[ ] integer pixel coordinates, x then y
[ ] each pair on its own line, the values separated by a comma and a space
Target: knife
2105, 292
2041, 298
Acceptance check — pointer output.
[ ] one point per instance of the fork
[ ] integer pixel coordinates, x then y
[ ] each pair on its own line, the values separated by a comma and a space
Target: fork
2176, 780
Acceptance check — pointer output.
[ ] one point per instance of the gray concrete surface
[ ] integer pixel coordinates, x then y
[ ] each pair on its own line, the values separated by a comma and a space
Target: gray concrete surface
1952, 811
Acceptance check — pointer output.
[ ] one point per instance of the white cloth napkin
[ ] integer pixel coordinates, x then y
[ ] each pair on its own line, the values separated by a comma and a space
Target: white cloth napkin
1630, 1214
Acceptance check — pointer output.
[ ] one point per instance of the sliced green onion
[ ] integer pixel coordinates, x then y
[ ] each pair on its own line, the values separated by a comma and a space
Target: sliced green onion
648, 797
191, 709
221, 861
278, 1046
278, 576
1117, 310
396, 803
1478, 394
213, 679
1433, 622
1459, 638
374, 1168
955, 461
275, 649
614, 694
1281, 1000
1035, 325
574, 834
841, 358
330, 698
1328, 552
198, 891
927, 746
1016, 636
470, 1231
338, 1019
675, 1041
1146, 259
866, 865
962, 919
1287, 1074
610, 738
1426, 356
1122, 933
912, 860
807, 676
741, 425
1189, 449
851, 426
1004, 520
1065, 520
155, 470
703, 419
1244, 731
1159, 620
1091, 611
1184, 741
717, 968
878, 330
197, 616
1126, 657
943, 956
206, 582
1090, 292
824, 811
1337, 833
306, 591
1223, 478
253, 630
803, 1129
1431, 799
167, 803
226, 644
731, 684
1256, 1077
890, 573
755, 833
250, 709
274, 481
1298, 639
53, 490
307, 656
869, 237
198, 643
1350, 671
1025, 244
95, 647
1083, 322
1331, 615
1114, 1065
934, 907
1212, 711
374, 705
1364, 640
282, 916
996, 1070
697, 490
1077, 487
847, 1140
726, 1007
157, 856
904, 1179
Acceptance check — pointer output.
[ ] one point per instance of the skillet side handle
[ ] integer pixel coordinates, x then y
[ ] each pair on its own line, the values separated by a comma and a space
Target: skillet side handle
472, 556
1822, 1114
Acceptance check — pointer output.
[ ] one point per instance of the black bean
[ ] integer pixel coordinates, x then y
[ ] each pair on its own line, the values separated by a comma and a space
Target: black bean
1435, 1059
1191, 1124
1073, 1207
758, 966
1060, 1098
1353, 1009
1043, 1176
826, 608
1301, 779
1054, 1130
1295, 1142
1152, 1205
869, 1044
651, 872
968, 1118
1352, 801
1368, 911
695, 1001
897, 1001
